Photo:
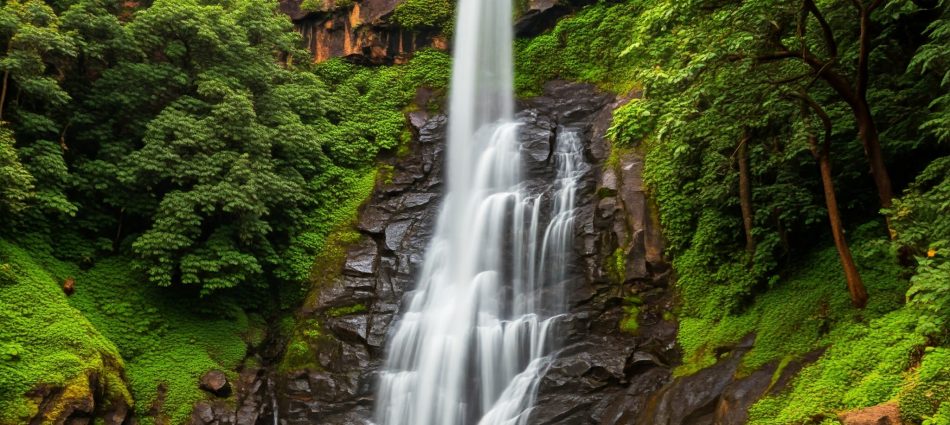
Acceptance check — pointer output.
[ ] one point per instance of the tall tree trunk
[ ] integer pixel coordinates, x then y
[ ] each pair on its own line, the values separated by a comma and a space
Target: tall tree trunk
870, 139
3, 93
859, 295
822, 153
745, 192
867, 130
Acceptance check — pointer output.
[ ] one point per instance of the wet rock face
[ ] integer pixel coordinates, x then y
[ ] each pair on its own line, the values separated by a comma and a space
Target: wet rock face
603, 374
396, 225
357, 307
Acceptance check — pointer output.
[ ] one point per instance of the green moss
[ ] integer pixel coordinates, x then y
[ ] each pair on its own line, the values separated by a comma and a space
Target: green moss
44, 340
308, 339
346, 311
425, 14
615, 266
864, 367
167, 338
324, 5
629, 323
162, 336
941, 417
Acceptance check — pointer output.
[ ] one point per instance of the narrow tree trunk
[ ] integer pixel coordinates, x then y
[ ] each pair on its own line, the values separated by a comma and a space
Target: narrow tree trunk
745, 192
870, 139
822, 153
3, 94
867, 130
859, 295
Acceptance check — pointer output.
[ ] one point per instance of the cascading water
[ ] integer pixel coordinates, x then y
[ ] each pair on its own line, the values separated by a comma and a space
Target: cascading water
474, 340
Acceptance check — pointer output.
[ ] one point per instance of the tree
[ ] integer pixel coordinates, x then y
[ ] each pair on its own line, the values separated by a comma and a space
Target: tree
35, 56
821, 152
853, 88
229, 143
16, 183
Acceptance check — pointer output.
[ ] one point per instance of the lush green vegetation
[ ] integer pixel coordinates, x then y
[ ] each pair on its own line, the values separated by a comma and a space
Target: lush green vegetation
736, 105
188, 175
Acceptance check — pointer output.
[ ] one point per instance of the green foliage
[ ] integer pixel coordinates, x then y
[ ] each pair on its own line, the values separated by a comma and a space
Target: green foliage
324, 5
166, 338
366, 105
931, 58
16, 182
864, 367
584, 47
799, 314
44, 160
229, 151
160, 337
34, 45
921, 222
925, 395
631, 312
699, 91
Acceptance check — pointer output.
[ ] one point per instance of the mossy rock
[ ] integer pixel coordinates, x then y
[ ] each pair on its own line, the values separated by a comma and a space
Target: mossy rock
53, 362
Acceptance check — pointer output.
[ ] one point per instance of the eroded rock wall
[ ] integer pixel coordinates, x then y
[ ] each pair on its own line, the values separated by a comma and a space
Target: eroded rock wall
363, 30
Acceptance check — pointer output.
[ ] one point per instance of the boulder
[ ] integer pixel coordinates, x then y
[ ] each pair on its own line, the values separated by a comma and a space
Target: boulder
215, 382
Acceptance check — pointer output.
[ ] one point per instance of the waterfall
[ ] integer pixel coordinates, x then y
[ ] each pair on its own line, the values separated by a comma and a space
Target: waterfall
475, 336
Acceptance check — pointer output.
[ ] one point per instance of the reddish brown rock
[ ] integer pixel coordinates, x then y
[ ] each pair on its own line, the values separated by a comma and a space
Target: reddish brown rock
216, 382
882, 414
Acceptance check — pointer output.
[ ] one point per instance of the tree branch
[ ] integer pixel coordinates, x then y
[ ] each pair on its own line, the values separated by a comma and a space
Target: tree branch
826, 30
822, 115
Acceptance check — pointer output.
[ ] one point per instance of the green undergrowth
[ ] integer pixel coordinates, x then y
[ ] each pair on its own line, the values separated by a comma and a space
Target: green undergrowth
800, 313
44, 341
165, 338
872, 356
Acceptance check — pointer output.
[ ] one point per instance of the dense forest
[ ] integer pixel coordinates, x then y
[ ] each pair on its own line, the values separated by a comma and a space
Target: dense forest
177, 175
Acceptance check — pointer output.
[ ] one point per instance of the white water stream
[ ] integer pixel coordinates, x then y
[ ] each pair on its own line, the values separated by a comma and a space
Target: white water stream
475, 336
